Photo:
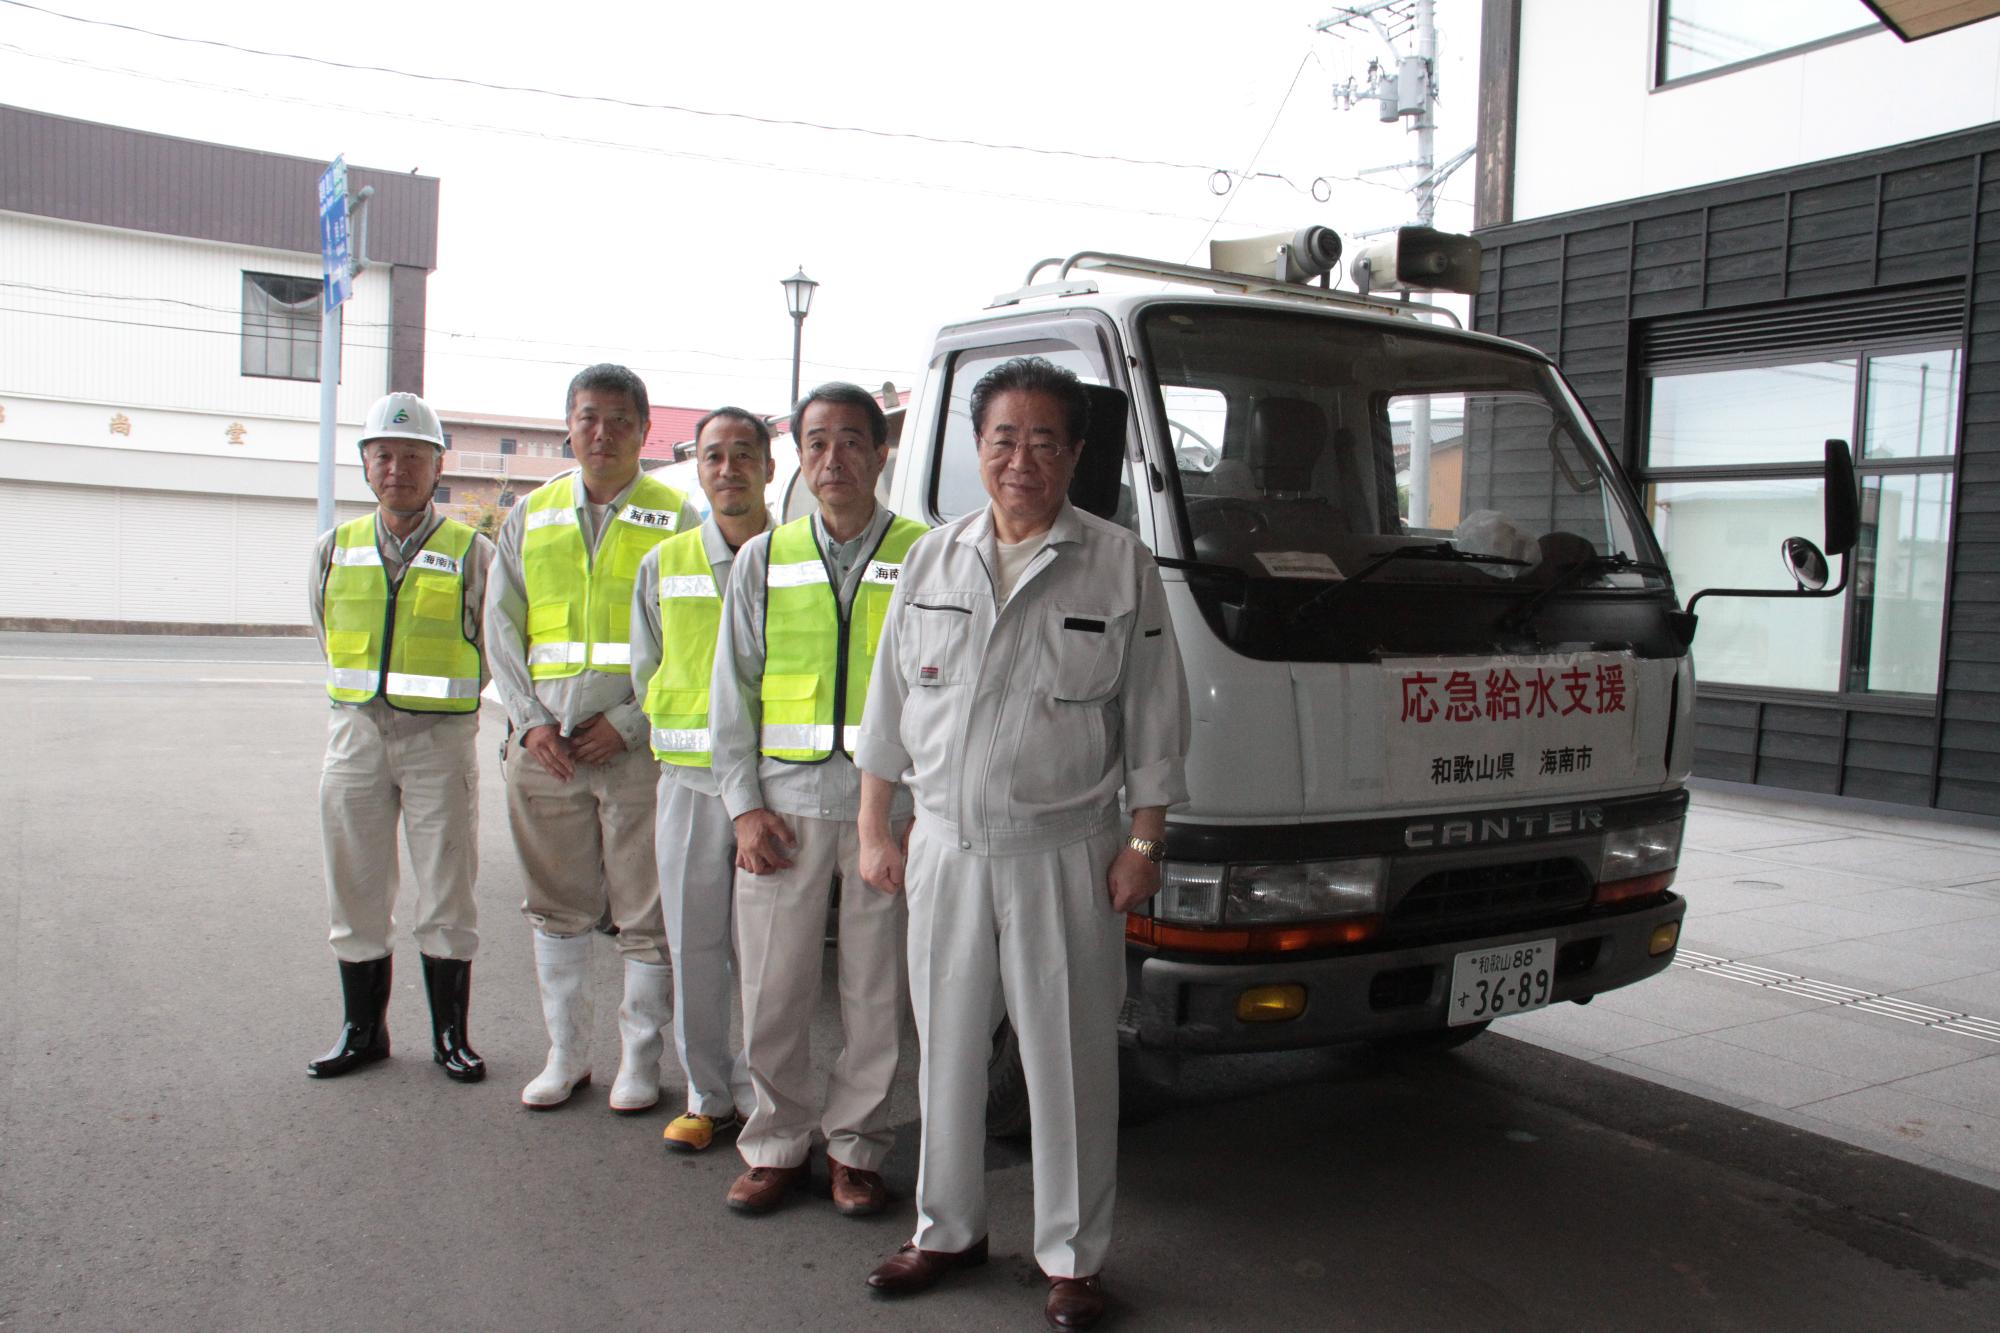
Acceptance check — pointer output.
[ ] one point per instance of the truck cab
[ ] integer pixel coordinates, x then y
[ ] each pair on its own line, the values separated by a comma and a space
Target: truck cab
1440, 681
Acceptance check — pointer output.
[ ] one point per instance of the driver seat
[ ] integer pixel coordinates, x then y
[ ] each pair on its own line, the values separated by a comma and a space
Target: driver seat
1287, 437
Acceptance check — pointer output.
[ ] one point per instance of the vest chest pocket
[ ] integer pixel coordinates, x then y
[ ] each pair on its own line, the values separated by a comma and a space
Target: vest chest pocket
436, 599
937, 648
1089, 653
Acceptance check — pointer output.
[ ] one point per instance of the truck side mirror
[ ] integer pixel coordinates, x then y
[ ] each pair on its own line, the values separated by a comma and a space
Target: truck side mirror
1809, 569
1804, 563
1843, 500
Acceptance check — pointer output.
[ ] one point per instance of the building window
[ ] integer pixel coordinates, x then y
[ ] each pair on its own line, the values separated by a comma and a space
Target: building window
1733, 462
281, 317
447, 439
442, 495
507, 445
1702, 36
567, 450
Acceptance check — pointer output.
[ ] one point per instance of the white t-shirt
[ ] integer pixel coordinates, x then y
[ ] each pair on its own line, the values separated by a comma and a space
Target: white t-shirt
1014, 560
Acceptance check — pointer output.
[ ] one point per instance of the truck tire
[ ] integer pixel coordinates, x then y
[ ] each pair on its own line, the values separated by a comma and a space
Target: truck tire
1434, 1042
1006, 1087
1144, 1087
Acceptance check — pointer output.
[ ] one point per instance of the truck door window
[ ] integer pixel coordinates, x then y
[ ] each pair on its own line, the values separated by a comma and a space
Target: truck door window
955, 487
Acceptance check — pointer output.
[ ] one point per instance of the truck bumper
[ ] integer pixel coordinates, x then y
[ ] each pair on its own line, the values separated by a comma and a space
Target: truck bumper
1189, 1006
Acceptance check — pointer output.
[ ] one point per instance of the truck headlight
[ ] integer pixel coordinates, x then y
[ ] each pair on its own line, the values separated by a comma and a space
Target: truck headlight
1190, 893
1303, 890
1646, 850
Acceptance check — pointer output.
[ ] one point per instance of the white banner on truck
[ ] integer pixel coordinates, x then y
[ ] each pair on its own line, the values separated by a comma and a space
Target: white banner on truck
1495, 728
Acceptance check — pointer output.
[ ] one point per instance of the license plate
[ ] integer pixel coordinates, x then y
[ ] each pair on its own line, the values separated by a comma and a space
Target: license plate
1508, 980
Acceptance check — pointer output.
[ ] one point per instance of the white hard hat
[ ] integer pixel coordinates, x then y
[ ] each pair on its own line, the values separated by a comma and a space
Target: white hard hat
403, 416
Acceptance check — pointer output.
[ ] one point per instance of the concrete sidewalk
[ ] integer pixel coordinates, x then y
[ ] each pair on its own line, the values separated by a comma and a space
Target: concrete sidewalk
1839, 971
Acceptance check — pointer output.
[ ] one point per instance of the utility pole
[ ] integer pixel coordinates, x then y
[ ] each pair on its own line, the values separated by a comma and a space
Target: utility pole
1406, 92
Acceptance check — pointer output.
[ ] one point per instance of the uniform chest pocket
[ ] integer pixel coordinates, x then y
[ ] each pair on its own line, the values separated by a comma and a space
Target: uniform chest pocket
939, 644
1089, 652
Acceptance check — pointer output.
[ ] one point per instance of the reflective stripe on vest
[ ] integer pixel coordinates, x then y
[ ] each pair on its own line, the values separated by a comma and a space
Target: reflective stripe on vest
816, 668
690, 623
580, 603
407, 643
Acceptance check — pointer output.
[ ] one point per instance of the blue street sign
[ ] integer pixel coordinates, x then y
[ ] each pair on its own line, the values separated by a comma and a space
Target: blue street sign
333, 232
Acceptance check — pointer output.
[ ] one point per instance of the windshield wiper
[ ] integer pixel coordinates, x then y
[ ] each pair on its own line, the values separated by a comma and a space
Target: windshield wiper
1203, 567
1571, 575
1443, 551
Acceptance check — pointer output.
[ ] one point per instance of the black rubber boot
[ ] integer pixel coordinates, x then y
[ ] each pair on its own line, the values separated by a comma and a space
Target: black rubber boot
449, 983
364, 1038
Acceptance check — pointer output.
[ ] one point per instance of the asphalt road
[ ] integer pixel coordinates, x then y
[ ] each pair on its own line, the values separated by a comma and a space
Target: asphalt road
165, 1164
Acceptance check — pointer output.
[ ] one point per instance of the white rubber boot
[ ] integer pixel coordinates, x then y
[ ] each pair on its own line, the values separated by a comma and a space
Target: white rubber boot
646, 1010
562, 966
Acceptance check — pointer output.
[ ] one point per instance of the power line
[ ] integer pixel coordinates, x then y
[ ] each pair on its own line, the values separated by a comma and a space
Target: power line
618, 145
349, 346
627, 103
1269, 130
430, 331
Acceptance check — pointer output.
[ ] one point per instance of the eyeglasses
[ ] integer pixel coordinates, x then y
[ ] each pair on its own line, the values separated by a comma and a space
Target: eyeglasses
1039, 451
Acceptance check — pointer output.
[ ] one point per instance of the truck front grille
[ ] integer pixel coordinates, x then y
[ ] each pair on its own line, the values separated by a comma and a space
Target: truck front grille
1489, 897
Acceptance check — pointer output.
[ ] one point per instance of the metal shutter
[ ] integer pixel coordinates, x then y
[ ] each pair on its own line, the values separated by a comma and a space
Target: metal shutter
1914, 314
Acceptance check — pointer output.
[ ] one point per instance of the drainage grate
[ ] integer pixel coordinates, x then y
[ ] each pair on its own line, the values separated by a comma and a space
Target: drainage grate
1903, 1011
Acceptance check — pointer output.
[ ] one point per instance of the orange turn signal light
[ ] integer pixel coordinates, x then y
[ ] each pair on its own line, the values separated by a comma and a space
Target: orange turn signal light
1629, 890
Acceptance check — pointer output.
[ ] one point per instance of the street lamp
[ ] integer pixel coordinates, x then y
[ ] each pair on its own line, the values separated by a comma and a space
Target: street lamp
798, 300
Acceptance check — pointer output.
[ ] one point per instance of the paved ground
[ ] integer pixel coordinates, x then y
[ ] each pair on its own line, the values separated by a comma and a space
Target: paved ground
164, 1163
1839, 971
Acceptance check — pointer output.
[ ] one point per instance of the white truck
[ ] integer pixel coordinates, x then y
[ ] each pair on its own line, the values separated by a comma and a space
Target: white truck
1442, 695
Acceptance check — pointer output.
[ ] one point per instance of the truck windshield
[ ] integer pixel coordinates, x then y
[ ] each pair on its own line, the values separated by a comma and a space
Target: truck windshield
1311, 446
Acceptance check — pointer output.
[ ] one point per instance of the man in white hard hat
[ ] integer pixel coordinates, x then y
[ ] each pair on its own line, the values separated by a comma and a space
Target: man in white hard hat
792, 661
396, 600
580, 774
1028, 681
677, 607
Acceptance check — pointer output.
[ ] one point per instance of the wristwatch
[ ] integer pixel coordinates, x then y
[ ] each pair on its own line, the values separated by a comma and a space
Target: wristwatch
1153, 849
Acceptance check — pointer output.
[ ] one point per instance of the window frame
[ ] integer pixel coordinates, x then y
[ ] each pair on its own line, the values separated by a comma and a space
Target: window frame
1863, 353
265, 335
1658, 81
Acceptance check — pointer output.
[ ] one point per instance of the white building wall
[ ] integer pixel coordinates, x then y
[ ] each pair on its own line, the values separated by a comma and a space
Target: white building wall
1591, 129
140, 321
143, 476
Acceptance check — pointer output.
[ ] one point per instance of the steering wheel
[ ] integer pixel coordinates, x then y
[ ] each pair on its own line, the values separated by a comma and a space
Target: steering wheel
1226, 513
1192, 451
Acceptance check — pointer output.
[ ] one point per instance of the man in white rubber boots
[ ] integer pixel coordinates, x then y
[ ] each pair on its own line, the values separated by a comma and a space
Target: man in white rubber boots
1027, 674
676, 617
579, 769
791, 673
396, 600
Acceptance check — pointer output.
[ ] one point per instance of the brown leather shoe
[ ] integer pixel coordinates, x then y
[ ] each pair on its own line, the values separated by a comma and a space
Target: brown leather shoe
857, 1193
762, 1188
911, 1270
1075, 1302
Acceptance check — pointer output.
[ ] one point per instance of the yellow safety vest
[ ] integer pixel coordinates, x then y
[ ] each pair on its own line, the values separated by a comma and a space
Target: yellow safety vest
580, 605
815, 669
690, 623
405, 643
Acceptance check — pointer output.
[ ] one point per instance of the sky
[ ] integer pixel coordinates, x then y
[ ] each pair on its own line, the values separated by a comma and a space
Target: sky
630, 200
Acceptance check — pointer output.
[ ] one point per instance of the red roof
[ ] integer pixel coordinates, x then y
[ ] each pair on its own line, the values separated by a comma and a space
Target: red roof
671, 425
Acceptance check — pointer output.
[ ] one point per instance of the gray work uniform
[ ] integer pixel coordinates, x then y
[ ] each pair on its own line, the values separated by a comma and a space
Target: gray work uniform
384, 764
1016, 725
695, 842
586, 845
781, 917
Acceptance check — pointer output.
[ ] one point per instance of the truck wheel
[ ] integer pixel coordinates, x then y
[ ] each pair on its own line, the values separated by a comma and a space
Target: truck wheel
1144, 1087
1434, 1042
1006, 1087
